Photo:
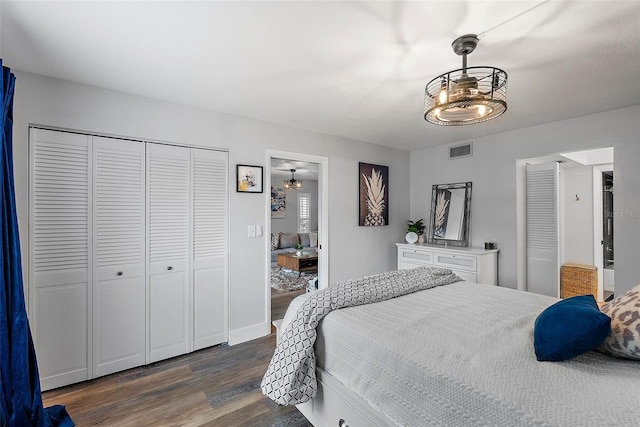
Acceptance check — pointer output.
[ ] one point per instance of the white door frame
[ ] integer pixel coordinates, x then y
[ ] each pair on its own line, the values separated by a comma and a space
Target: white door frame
598, 225
521, 238
323, 217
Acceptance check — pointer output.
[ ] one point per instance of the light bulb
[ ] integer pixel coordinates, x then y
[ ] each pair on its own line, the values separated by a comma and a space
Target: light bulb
443, 96
482, 110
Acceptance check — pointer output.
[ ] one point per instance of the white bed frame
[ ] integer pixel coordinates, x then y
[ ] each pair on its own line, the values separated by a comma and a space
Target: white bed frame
336, 406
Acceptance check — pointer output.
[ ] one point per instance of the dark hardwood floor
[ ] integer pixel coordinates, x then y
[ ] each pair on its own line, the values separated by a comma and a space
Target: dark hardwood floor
218, 386
280, 301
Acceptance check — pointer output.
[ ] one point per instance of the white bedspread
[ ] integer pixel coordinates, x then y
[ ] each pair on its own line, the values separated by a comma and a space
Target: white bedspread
462, 355
291, 376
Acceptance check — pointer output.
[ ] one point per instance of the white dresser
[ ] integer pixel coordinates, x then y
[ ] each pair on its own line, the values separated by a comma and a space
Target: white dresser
472, 264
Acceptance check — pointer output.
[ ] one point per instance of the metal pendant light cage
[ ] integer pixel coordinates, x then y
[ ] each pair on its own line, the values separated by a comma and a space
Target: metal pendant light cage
468, 95
293, 183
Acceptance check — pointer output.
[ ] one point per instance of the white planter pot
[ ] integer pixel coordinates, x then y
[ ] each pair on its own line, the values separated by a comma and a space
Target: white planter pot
411, 237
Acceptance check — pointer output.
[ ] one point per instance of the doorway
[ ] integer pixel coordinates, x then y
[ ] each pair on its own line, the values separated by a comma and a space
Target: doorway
578, 207
299, 215
603, 228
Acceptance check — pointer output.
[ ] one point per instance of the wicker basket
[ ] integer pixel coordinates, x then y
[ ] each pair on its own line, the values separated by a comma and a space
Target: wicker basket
578, 279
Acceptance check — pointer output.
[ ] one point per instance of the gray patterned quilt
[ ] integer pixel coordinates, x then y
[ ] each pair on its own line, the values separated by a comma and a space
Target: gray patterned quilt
291, 377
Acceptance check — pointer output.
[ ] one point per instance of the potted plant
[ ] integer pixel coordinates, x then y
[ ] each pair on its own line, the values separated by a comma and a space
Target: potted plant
298, 247
416, 227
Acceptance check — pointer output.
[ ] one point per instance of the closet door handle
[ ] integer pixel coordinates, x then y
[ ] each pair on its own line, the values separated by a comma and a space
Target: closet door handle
119, 273
169, 268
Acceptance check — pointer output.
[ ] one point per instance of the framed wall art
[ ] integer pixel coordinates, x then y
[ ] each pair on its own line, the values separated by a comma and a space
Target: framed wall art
374, 195
249, 179
278, 203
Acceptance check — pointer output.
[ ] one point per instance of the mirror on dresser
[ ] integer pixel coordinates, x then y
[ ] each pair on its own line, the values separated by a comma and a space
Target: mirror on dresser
450, 214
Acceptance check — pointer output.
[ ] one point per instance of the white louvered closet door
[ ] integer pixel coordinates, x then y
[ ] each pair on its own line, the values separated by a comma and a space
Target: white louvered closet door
119, 269
210, 247
543, 273
169, 247
60, 254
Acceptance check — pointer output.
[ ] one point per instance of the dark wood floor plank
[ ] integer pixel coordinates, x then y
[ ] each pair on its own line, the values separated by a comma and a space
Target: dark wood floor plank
111, 391
280, 301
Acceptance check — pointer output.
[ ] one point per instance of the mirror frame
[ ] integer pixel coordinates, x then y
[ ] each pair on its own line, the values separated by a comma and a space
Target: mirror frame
466, 210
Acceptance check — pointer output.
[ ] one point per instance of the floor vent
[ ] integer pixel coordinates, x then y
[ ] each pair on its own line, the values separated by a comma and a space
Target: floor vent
463, 150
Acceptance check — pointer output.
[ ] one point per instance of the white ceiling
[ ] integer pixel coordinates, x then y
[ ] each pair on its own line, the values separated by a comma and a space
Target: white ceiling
281, 169
355, 69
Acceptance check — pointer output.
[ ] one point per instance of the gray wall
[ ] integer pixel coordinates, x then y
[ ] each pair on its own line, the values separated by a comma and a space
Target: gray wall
492, 169
50, 102
576, 215
289, 223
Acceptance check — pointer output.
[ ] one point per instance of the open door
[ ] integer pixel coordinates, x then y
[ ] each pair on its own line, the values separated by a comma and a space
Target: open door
542, 229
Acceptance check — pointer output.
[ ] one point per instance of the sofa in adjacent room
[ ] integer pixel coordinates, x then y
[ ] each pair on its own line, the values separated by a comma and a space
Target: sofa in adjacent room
285, 242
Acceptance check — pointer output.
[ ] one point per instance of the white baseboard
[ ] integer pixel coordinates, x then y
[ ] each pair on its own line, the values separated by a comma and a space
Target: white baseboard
608, 279
249, 333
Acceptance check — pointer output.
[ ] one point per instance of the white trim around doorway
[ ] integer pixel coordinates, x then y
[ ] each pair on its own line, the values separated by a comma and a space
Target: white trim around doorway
323, 217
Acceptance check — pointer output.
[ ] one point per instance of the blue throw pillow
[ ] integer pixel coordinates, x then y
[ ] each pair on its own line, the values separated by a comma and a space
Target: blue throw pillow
570, 328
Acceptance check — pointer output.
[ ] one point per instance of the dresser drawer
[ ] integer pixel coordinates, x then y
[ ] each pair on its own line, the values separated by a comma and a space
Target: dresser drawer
404, 265
465, 275
416, 256
457, 262
471, 264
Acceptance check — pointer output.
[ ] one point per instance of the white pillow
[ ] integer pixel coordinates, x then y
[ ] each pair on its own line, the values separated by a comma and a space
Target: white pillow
313, 239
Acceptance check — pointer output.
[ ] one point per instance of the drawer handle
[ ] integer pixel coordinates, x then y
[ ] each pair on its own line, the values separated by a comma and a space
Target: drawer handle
342, 423
119, 273
169, 268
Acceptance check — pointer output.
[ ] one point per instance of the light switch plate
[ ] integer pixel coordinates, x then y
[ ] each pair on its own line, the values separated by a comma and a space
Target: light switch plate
252, 231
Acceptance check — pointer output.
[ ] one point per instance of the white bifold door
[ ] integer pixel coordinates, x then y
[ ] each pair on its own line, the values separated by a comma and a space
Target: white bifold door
169, 200
187, 205
127, 253
60, 255
119, 257
210, 248
543, 274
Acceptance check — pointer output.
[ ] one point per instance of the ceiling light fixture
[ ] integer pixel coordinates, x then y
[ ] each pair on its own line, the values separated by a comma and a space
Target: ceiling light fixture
466, 96
293, 183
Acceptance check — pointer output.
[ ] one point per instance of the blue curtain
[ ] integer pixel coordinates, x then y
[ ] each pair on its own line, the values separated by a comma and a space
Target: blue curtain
20, 399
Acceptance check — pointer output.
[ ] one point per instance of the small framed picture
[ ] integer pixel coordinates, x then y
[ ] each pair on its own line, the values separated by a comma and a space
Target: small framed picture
249, 179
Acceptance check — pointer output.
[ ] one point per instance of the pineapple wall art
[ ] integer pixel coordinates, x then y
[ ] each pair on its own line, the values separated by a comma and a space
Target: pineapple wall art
374, 195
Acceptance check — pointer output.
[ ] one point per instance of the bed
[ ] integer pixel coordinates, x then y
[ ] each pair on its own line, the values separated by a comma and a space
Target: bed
458, 354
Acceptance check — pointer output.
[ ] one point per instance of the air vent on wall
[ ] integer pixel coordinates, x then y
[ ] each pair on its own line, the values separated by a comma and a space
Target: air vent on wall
462, 150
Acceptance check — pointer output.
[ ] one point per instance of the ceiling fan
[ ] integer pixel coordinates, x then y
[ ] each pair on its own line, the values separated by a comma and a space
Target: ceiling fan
293, 183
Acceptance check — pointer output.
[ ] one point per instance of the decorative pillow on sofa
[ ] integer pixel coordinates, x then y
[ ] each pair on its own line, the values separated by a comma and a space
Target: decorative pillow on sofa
288, 240
624, 339
275, 241
304, 239
313, 239
569, 328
